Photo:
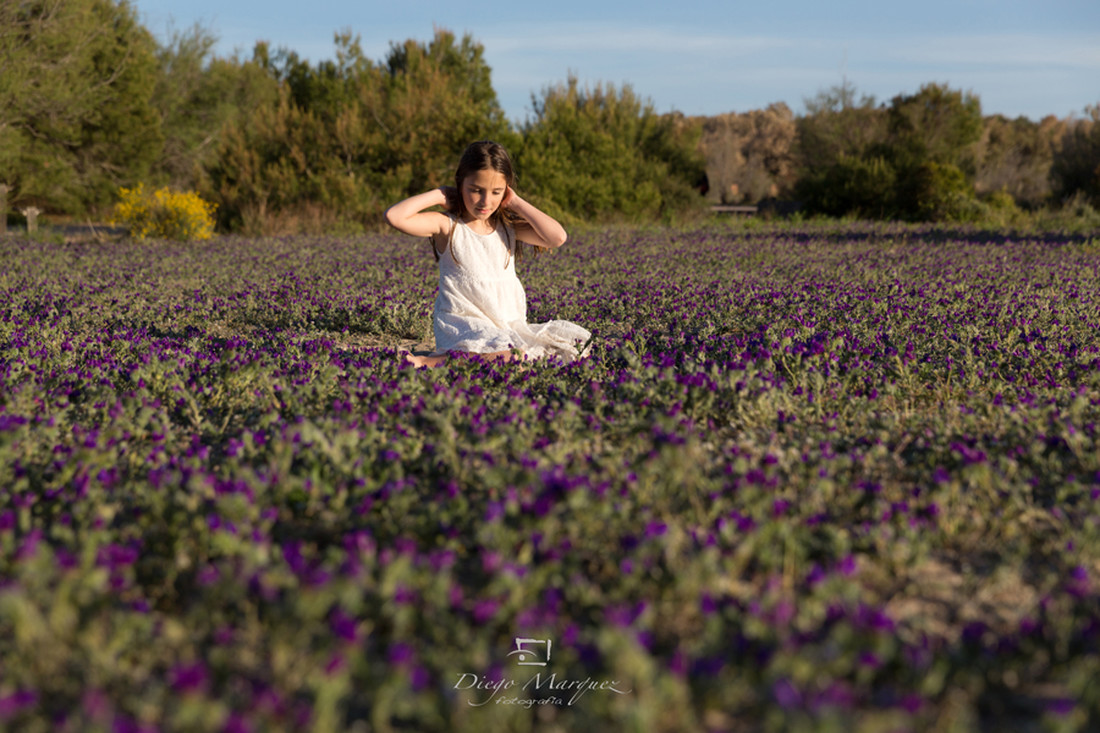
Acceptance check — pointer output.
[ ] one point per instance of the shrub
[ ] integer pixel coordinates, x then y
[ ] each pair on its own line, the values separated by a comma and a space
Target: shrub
852, 185
1076, 165
936, 192
603, 153
1000, 209
165, 213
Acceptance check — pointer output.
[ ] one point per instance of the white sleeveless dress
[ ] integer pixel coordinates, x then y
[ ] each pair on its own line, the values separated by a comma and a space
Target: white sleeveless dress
481, 306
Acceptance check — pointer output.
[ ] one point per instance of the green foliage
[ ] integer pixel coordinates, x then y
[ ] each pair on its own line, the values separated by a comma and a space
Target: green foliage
852, 185
89, 102
439, 98
1076, 167
600, 152
164, 213
836, 125
1000, 209
935, 125
198, 97
842, 167
935, 192
914, 160
346, 138
270, 161
76, 112
931, 145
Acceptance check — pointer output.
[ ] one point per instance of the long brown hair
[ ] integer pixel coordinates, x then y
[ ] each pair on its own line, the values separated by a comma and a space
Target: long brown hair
479, 156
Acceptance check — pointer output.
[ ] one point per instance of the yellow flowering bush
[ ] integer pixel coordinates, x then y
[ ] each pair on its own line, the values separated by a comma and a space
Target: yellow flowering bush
165, 213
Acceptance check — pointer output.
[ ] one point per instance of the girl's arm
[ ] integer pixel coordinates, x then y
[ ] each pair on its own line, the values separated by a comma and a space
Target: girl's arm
408, 216
540, 229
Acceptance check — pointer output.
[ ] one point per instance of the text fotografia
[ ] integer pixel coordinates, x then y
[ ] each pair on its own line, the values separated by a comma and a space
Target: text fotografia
567, 691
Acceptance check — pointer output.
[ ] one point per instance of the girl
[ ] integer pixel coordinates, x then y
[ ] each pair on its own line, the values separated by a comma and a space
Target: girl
481, 306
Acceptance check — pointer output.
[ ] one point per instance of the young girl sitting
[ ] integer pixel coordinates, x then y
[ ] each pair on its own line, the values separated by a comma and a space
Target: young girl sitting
481, 306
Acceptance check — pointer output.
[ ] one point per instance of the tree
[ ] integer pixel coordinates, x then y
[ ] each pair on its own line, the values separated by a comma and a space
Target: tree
1076, 166
1016, 156
439, 98
749, 155
198, 97
835, 125
937, 125
932, 146
76, 114
597, 152
915, 160
347, 137
841, 156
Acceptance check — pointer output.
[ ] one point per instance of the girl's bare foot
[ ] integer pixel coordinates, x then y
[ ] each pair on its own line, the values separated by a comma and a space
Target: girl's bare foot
426, 360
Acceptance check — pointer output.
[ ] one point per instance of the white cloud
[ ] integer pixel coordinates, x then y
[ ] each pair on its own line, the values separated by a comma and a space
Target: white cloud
1015, 50
658, 41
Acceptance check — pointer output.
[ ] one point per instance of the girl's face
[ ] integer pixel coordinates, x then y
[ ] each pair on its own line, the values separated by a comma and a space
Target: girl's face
482, 193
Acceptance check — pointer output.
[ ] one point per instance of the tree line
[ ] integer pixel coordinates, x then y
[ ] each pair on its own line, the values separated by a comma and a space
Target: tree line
91, 102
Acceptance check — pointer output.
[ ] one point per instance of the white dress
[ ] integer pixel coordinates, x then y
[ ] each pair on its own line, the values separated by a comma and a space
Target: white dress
481, 306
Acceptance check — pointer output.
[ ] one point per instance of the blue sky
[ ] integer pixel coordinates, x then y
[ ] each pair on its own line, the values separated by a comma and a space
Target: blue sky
706, 57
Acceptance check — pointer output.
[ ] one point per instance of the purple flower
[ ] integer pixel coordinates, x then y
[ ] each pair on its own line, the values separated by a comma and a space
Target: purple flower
419, 678
484, 610
624, 615
678, 665
95, 704
292, 553
125, 724
11, 705
1061, 706
336, 664
400, 653
786, 694
491, 562
1078, 585
236, 724
190, 677
343, 625
403, 595
837, 694
869, 659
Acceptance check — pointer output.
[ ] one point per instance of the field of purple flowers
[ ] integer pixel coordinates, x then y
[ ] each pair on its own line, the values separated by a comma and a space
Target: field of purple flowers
811, 478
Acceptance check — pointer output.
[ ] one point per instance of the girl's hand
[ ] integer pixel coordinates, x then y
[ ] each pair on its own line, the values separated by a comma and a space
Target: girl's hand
538, 229
450, 196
